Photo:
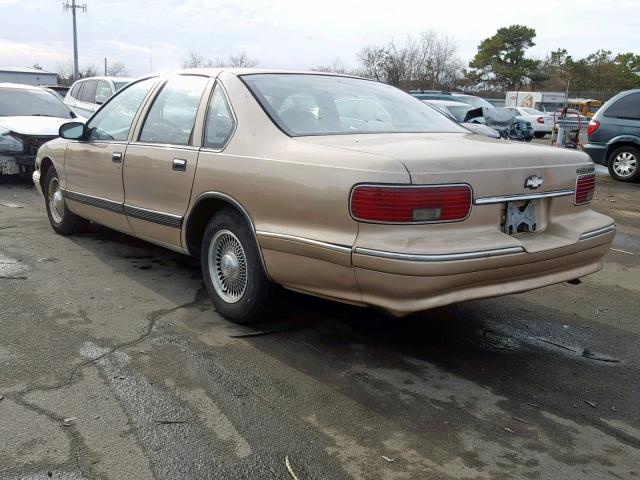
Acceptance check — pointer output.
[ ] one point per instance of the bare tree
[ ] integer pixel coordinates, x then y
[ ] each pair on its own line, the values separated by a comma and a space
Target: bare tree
196, 60
373, 61
337, 66
117, 69
242, 60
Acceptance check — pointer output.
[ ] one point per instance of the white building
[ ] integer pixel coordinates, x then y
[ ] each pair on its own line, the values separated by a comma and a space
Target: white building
27, 76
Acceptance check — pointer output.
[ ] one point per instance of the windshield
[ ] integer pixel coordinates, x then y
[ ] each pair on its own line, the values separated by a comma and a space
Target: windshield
329, 105
459, 111
22, 102
593, 108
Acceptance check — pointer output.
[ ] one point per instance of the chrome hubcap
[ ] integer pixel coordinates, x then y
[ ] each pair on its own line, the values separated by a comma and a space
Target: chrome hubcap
56, 200
625, 164
227, 266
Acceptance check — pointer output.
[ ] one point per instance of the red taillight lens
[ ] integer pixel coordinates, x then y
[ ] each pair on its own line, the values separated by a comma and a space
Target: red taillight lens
386, 204
592, 127
585, 186
540, 120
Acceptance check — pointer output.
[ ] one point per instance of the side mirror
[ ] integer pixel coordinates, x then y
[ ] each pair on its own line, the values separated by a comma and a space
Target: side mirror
100, 99
72, 130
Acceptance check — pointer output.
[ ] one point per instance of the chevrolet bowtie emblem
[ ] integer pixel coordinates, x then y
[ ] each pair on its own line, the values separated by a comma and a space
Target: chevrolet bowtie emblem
533, 182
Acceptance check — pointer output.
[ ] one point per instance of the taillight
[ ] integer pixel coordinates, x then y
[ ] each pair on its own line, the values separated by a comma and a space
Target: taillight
585, 186
592, 127
540, 120
392, 204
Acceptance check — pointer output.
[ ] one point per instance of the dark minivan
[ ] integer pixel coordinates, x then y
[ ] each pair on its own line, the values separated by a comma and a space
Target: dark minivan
614, 136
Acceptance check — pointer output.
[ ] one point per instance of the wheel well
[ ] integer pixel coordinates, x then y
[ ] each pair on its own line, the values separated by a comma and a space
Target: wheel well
614, 146
200, 215
45, 165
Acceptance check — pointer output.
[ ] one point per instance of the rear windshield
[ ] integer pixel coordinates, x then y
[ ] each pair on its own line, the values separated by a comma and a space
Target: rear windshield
26, 102
119, 85
329, 105
532, 111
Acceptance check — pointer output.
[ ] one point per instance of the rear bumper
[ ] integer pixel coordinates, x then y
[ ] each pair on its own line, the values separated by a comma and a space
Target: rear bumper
406, 284
597, 152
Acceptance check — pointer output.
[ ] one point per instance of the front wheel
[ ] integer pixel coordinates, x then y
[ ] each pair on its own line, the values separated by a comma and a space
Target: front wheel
624, 164
62, 220
236, 282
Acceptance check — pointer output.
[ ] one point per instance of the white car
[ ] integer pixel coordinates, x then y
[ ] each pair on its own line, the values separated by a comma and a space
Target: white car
541, 122
85, 96
29, 117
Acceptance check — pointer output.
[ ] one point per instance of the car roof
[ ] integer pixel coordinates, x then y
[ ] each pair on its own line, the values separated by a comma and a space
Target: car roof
118, 79
214, 72
447, 103
20, 86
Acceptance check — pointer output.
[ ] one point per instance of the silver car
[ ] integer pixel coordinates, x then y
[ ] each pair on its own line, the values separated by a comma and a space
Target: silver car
86, 95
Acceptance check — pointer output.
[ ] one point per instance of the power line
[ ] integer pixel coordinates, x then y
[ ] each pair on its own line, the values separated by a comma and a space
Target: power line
66, 6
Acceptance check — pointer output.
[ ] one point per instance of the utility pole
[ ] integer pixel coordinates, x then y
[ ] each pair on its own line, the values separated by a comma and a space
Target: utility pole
105, 66
73, 7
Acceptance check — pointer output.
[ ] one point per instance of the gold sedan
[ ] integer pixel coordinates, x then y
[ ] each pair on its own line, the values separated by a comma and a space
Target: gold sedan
330, 185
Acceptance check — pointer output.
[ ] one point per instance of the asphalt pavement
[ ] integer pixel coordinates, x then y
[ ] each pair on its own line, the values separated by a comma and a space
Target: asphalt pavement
114, 365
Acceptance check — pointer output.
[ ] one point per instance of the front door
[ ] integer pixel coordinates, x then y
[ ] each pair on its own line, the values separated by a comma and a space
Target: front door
93, 167
161, 163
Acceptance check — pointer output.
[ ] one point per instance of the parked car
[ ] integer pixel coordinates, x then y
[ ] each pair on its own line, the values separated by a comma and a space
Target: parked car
541, 123
86, 95
61, 90
614, 136
268, 183
457, 112
29, 117
472, 100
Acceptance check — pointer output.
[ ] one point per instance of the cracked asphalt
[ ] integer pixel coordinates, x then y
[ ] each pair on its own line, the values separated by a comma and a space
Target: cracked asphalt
114, 365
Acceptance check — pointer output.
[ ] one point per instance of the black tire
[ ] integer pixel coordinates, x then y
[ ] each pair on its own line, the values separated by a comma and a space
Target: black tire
62, 220
539, 134
625, 153
240, 302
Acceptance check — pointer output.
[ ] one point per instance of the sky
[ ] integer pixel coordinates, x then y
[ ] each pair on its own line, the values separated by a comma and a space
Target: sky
299, 34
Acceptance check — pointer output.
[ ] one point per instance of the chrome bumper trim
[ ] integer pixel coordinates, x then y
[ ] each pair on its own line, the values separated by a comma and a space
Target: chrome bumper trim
308, 241
598, 232
525, 196
439, 257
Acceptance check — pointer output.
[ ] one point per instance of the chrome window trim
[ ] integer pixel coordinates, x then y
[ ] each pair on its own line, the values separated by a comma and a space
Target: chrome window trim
316, 243
524, 196
598, 232
439, 257
406, 185
206, 117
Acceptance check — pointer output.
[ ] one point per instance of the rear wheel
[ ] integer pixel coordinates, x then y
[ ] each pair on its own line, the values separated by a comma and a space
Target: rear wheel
539, 134
624, 164
62, 220
232, 269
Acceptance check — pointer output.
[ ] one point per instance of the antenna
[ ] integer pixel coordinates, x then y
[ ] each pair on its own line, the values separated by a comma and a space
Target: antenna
66, 6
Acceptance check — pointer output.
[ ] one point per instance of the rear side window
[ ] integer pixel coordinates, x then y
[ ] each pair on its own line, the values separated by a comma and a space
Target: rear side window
220, 121
173, 113
626, 107
89, 92
75, 91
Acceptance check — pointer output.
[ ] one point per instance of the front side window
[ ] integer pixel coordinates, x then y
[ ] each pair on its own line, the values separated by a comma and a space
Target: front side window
173, 113
89, 92
626, 107
220, 122
26, 102
113, 121
310, 105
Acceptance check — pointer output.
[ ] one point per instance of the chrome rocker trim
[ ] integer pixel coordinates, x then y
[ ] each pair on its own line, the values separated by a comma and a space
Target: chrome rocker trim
598, 232
439, 257
525, 196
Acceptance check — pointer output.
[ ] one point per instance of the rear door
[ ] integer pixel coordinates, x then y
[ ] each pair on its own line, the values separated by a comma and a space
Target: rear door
93, 167
161, 162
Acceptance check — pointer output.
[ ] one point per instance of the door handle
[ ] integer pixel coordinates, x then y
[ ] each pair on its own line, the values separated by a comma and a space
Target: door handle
179, 164
116, 157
